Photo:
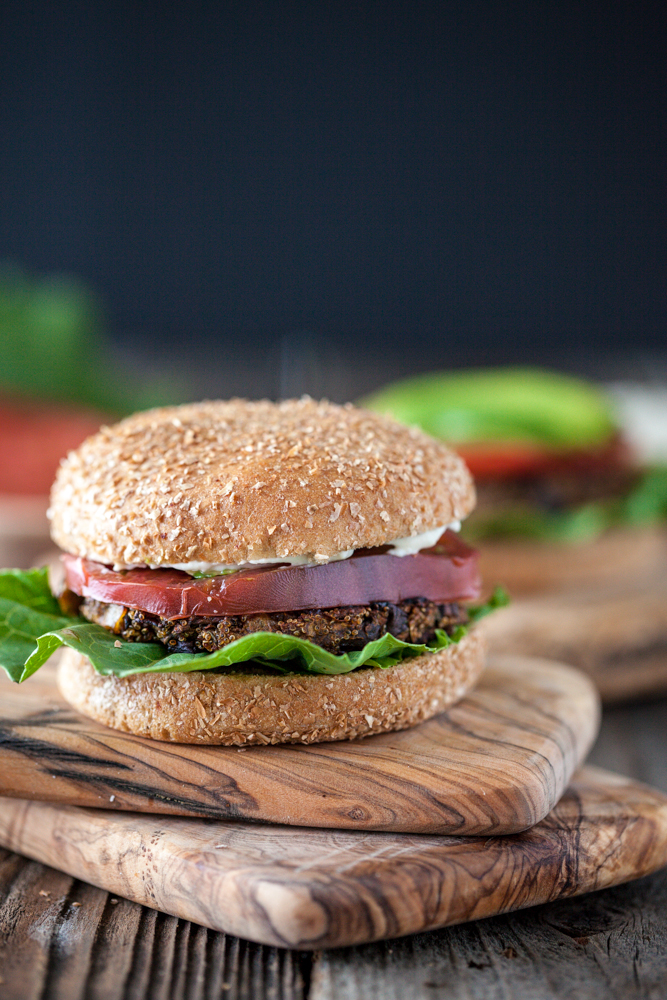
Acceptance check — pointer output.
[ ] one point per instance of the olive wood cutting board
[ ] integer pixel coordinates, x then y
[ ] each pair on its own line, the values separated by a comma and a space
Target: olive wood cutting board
301, 888
495, 763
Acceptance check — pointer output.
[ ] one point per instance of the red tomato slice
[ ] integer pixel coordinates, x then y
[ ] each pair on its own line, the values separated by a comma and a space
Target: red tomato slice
447, 572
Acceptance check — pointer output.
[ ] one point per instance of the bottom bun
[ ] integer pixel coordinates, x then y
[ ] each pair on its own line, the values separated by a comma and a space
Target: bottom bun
238, 709
525, 567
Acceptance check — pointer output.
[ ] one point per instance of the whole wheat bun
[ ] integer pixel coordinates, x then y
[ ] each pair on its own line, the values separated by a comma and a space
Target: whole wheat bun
527, 567
228, 482
239, 709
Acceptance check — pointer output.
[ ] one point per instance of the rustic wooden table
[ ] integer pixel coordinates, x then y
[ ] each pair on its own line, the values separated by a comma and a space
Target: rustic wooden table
60, 938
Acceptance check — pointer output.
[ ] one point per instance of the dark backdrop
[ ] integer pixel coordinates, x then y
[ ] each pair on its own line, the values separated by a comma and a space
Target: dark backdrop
436, 182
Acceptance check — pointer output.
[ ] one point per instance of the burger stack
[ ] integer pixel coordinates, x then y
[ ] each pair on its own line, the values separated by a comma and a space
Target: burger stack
237, 544
250, 573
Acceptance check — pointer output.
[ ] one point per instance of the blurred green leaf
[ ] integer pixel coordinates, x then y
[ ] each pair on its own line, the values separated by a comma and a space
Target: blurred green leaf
645, 504
53, 347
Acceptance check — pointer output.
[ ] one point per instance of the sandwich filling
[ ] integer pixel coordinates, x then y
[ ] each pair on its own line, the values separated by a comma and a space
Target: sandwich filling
340, 606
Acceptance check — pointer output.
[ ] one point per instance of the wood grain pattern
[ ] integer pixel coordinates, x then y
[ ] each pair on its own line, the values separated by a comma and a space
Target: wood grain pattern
611, 943
617, 633
495, 763
311, 889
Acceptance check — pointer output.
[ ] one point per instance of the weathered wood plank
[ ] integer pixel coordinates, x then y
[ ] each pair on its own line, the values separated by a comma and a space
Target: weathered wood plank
29, 919
73, 939
633, 740
118, 940
495, 763
609, 944
62, 939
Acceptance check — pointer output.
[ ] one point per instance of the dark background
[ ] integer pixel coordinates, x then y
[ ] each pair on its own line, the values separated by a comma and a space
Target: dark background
277, 196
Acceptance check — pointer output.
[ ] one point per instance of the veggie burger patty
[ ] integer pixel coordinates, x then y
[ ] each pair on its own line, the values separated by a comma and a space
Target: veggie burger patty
338, 630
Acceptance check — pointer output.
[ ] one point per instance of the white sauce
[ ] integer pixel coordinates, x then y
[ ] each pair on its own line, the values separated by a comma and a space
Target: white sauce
204, 567
642, 412
415, 543
399, 547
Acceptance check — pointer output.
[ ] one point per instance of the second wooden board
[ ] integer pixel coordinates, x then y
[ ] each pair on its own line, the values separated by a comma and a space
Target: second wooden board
495, 763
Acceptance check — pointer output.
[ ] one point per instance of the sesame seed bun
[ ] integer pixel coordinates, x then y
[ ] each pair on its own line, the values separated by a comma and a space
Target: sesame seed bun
228, 482
239, 709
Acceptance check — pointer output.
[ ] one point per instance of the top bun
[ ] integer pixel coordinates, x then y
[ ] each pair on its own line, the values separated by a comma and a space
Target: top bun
229, 482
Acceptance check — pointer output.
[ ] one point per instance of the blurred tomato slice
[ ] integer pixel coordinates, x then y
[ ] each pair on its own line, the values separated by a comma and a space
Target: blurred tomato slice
515, 459
34, 438
503, 460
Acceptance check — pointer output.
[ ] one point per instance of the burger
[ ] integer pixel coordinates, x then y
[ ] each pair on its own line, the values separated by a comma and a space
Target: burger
571, 513
252, 573
564, 500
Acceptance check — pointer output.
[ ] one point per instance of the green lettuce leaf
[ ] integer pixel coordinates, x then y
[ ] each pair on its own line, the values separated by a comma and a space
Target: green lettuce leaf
206, 574
499, 599
32, 629
27, 610
30, 588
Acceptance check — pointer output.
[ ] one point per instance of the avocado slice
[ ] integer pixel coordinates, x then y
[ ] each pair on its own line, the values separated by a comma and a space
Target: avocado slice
501, 404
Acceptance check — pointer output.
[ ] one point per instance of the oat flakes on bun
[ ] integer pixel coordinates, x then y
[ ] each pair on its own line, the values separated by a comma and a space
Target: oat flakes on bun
255, 572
